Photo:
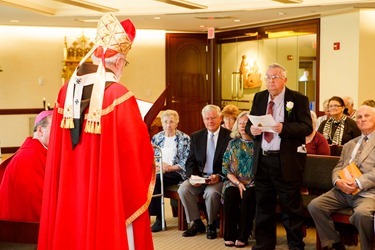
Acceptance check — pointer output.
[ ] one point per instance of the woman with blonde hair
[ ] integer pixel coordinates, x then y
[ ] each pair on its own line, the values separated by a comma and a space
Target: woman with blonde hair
238, 189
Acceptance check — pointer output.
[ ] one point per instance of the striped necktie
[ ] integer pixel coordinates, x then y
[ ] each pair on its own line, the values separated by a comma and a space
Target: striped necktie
359, 150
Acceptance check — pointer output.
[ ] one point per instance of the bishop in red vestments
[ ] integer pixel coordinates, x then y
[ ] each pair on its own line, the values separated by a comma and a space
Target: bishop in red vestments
22, 175
99, 174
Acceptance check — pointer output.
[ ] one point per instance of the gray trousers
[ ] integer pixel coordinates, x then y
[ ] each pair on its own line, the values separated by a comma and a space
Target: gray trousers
321, 207
211, 194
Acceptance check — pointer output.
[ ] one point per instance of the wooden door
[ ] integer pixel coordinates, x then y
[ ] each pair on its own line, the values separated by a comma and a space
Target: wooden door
187, 75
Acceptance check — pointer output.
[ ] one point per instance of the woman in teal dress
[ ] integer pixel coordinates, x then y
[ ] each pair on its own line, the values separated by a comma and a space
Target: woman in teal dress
238, 189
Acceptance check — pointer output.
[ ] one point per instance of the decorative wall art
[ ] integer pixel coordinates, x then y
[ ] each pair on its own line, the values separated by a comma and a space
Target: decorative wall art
250, 76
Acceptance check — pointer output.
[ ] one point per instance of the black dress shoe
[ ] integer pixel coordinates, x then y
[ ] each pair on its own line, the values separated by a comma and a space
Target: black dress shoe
194, 230
157, 226
211, 232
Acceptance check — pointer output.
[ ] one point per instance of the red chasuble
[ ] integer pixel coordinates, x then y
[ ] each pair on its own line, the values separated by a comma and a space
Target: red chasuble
92, 192
21, 188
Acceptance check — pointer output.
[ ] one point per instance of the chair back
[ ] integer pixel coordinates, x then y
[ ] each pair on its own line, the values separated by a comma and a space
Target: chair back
317, 177
335, 149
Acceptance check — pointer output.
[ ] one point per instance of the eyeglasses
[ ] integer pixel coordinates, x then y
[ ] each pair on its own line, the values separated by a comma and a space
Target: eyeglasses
274, 77
334, 106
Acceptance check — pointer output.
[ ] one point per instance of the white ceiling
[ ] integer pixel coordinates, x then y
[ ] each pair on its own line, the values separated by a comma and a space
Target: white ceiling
219, 14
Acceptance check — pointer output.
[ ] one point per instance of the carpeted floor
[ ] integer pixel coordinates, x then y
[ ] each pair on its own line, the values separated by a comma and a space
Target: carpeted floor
172, 239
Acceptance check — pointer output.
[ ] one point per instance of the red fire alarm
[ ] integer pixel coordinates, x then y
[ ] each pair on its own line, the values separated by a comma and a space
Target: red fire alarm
336, 46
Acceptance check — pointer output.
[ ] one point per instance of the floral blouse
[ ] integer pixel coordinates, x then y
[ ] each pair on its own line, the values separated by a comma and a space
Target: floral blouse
183, 147
238, 160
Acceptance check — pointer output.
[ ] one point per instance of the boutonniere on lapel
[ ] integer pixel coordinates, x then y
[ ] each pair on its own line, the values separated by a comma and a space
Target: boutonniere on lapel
289, 106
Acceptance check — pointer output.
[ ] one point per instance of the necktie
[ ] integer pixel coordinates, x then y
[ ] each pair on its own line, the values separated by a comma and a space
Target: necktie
268, 136
208, 169
359, 150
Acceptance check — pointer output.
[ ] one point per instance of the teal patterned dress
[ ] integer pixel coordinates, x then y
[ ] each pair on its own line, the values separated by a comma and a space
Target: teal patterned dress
238, 160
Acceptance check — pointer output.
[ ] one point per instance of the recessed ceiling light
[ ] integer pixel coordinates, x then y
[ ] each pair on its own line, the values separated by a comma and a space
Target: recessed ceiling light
157, 18
237, 20
282, 13
202, 26
14, 21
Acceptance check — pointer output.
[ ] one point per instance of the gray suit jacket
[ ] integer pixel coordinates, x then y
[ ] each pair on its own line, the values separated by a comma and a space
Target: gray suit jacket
366, 164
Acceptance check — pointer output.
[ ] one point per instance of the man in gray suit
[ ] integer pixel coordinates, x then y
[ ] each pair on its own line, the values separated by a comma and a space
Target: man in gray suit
207, 147
363, 203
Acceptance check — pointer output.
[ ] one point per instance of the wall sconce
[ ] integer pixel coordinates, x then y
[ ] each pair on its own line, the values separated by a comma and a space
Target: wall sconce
1, 70
289, 57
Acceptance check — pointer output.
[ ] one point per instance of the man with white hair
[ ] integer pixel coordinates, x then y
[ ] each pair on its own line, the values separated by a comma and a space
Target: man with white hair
361, 152
22, 174
99, 175
349, 104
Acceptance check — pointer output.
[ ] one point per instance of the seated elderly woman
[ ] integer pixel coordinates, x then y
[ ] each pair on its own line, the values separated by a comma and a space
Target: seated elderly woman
229, 113
315, 142
238, 189
325, 116
175, 146
338, 130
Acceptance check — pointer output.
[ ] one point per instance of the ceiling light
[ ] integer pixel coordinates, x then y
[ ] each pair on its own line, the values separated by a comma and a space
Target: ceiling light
286, 33
88, 5
29, 6
184, 4
288, 1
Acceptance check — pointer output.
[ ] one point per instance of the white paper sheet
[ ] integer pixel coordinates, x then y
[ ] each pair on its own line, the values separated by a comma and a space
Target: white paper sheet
144, 107
195, 179
264, 122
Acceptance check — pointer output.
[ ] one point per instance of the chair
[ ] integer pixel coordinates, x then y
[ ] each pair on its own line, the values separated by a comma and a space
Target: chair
335, 149
317, 178
158, 155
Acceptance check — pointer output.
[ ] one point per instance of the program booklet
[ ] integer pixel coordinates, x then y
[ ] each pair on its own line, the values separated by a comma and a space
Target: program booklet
195, 179
264, 122
350, 172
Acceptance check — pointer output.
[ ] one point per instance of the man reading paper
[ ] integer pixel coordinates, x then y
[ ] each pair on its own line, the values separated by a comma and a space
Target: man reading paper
361, 151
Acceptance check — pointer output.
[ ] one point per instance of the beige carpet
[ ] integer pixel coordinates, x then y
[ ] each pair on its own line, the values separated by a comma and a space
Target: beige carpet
172, 239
